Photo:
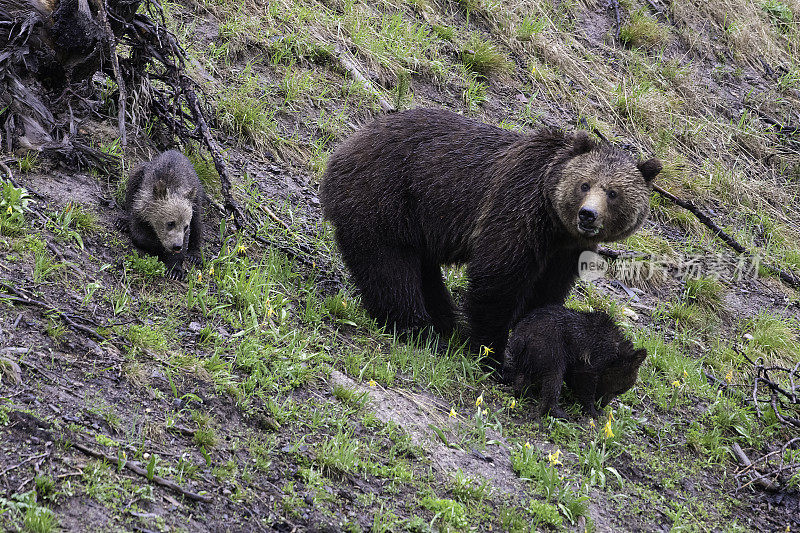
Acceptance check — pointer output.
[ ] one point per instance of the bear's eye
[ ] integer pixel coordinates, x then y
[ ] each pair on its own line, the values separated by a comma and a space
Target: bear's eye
170, 225
612, 194
585, 187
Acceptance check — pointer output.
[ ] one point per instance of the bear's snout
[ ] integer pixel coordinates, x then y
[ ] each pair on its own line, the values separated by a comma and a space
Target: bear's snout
587, 215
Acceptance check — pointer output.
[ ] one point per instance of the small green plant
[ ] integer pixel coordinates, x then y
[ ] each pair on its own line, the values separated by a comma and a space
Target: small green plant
643, 31
592, 460
474, 92
466, 488
44, 265
29, 162
39, 520
448, 512
72, 222
545, 514
706, 291
147, 267
13, 206
530, 26
779, 14
446, 33
483, 57
339, 454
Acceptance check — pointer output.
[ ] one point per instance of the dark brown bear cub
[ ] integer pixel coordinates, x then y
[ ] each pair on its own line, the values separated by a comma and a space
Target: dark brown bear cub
415, 190
162, 202
554, 344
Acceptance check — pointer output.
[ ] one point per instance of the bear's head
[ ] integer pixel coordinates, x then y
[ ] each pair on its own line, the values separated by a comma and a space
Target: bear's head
170, 215
602, 192
620, 375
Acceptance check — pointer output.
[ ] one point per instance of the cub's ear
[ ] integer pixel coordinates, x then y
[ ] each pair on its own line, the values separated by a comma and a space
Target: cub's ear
639, 357
582, 143
649, 169
160, 190
191, 193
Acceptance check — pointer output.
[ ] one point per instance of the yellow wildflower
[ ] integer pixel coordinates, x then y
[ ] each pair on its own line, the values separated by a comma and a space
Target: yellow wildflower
611, 415
344, 304
479, 401
270, 311
591, 423
485, 412
452, 413
513, 403
371, 383
485, 350
729, 376
8, 211
527, 444
199, 277
211, 271
553, 457
685, 375
241, 249
607, 430
676, 383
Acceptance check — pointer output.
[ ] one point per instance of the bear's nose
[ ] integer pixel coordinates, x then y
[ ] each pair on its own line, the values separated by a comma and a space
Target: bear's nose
176, 247
587, 215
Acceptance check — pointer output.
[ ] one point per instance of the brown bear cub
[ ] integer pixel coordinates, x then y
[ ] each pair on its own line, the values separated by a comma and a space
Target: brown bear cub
415, 190
162, 202
554, 344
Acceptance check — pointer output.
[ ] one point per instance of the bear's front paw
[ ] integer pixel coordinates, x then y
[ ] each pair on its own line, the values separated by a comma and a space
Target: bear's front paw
121, 225
176, 273
194, 260
557, 412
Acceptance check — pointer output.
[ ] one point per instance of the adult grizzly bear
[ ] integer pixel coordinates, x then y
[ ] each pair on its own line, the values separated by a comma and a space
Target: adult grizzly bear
554, 344
415, 190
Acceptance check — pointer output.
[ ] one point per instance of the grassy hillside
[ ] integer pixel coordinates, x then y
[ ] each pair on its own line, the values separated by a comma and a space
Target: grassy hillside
258, 396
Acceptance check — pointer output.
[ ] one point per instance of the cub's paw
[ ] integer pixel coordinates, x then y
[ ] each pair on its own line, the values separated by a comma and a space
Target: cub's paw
176, 274
121, 224
193, 260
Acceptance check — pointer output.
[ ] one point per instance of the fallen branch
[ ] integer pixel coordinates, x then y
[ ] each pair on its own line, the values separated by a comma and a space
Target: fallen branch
136, 469
615, 4
791, 279
347, 63
758, 478
20, 297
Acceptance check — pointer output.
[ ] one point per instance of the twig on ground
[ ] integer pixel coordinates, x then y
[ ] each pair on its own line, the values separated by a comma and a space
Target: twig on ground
615, 5
136, 469
791, 279
20, 297
351, 68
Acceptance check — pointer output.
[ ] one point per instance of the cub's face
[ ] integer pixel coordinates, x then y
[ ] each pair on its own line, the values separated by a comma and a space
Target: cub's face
621, 375
603, 194
172, 213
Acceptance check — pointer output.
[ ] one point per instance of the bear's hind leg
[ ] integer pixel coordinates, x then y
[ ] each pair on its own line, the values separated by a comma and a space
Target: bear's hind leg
438, 301
390, 281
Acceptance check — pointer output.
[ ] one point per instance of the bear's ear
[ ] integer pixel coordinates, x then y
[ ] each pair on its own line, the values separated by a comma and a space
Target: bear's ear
582, 143
160, 190
191, 193
649, 169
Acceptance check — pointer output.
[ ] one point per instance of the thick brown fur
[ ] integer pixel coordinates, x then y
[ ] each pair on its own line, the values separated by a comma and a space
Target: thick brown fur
163, 204
587, 350
422, 188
